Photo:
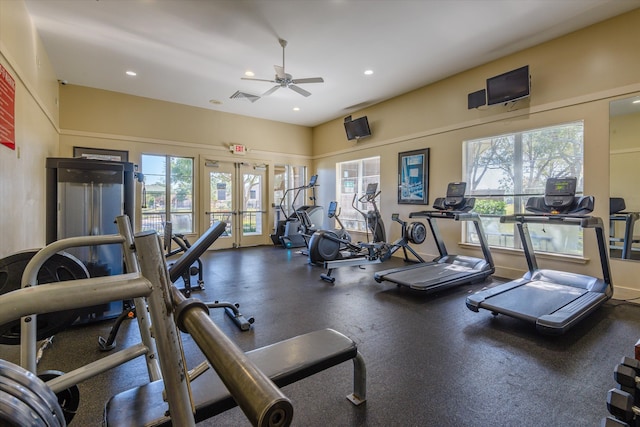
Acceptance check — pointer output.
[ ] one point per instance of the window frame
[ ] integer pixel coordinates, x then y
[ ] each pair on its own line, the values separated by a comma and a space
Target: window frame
169, 212
352, 220
290, 176
527, 181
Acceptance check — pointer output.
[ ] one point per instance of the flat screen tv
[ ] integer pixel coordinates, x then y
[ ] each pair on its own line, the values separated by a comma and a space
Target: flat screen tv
358, 128
509, 86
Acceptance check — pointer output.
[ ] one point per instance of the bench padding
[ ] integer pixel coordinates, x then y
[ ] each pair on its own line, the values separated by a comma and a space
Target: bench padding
284, 362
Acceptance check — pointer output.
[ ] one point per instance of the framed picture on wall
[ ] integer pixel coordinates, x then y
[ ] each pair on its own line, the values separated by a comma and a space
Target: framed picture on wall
413, 177
101, 154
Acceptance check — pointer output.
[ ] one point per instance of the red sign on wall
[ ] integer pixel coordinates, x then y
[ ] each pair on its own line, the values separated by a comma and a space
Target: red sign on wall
7, 109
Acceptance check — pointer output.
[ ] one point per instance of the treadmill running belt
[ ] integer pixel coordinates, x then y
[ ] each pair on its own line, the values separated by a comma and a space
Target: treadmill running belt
533, 299
429, 275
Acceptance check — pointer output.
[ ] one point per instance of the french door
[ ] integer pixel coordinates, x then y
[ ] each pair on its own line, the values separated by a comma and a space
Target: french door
236, 194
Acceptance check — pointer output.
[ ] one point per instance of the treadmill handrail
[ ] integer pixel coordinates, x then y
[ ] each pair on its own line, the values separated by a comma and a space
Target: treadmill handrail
562, 219
579, 220
457, 215
629, 219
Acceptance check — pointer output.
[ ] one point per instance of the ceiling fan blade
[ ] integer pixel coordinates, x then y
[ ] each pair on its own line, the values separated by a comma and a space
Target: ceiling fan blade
270, 91
308, 80
280, 72
257, 80
299, 90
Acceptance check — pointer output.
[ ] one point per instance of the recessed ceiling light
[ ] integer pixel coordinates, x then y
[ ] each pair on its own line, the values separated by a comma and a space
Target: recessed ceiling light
637, 101
249, 73
215, 102
296, 108
368, 72
131, 73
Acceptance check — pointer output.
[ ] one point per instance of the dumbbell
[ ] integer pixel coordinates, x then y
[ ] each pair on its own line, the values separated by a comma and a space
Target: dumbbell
620, 405
631, 362
627, 377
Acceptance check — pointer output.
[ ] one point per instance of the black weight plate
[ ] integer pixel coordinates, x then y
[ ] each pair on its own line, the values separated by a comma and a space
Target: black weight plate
68, 399
58, 268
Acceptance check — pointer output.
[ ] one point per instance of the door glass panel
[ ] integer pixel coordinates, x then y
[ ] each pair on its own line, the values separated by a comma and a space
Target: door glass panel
252, 205
221, 206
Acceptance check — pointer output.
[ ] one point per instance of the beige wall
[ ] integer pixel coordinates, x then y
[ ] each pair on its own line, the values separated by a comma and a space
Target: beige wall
572, 78
36, 120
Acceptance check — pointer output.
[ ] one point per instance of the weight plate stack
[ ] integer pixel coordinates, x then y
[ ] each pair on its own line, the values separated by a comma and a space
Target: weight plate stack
60, 267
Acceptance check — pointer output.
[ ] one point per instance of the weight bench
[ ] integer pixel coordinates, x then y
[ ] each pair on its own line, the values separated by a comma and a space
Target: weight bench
285, 362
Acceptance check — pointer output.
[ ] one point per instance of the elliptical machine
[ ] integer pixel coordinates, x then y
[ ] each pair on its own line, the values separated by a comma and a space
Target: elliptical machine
334, 212
326, 245
328, 250
292, 231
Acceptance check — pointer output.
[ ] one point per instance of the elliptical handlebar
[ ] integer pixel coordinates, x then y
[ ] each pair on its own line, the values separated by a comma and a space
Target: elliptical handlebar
312, 184
353, 204
368, 197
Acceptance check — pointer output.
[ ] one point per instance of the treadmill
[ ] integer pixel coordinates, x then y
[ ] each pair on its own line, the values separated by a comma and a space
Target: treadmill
553, 300
617, 214
446, 270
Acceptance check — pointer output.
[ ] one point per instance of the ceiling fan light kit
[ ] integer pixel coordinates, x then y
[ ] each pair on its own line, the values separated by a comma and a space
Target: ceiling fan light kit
281, 80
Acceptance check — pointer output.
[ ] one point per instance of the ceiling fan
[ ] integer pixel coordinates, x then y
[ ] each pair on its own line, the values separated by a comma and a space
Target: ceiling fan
285, 80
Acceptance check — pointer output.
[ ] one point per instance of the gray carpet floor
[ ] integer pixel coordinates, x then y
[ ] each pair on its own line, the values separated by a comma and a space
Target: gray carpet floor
430, 360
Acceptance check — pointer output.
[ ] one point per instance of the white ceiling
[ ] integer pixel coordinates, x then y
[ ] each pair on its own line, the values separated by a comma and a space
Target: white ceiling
194, 51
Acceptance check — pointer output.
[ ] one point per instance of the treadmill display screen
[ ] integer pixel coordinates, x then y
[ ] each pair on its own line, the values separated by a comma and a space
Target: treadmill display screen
559, 193
561, 187
456, 189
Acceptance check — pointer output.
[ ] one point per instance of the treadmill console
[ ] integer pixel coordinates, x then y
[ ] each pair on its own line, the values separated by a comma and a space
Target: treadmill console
560, 192
455, 200
455, 194
313, 180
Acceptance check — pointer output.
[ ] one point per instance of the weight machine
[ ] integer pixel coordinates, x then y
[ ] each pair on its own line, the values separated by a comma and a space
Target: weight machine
24, 396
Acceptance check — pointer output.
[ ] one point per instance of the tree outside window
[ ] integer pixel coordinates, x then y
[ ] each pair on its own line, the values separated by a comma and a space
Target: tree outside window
503, 171
172, 201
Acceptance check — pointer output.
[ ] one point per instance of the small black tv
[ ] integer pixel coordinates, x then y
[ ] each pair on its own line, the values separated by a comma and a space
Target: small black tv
358, 128
509, 86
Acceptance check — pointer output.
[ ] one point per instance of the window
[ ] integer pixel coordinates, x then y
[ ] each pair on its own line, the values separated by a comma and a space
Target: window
168, 193
286, 177
502, 172
352, 179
